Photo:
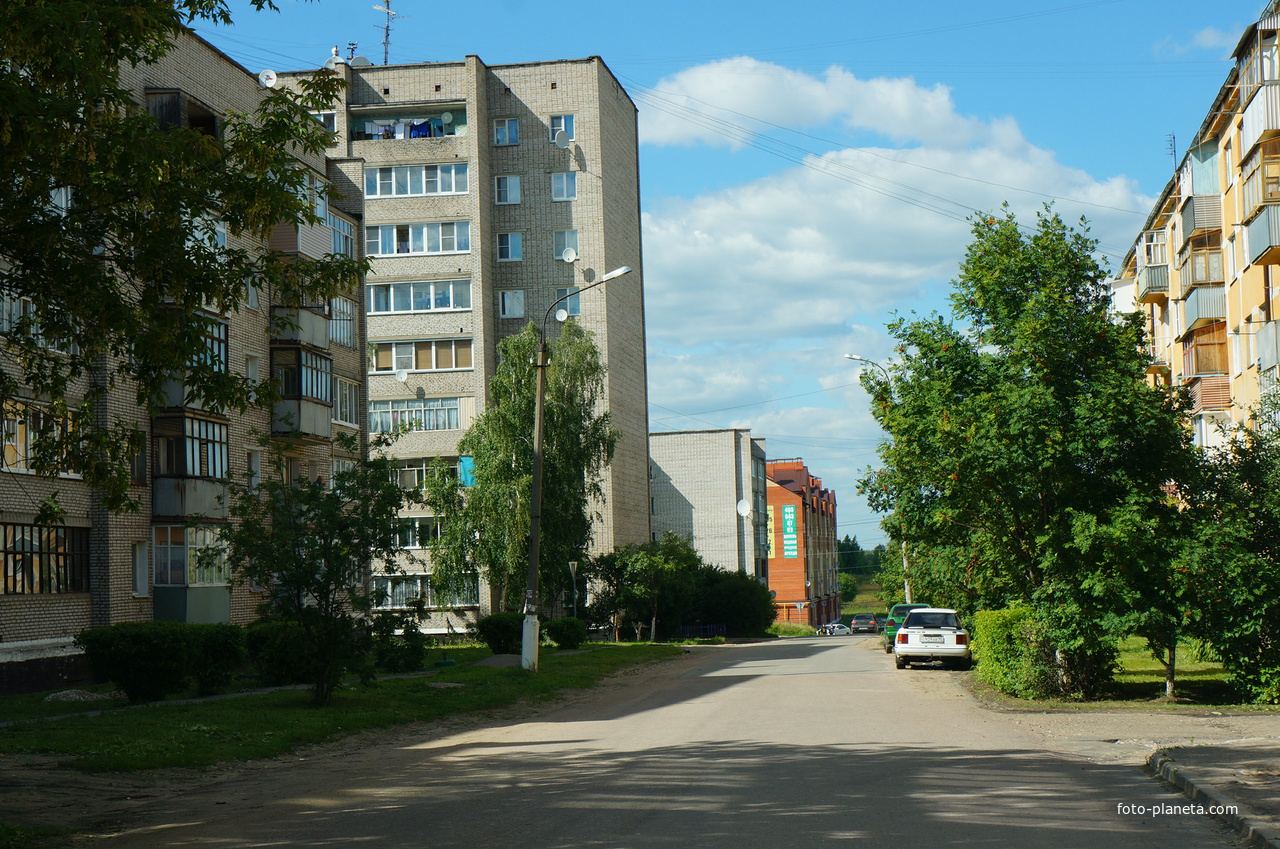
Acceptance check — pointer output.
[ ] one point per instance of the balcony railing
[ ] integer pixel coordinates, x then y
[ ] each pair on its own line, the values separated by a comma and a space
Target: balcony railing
1264, 236
1200, 214
1204, 305
1210, 392
1261, 117
1153, 283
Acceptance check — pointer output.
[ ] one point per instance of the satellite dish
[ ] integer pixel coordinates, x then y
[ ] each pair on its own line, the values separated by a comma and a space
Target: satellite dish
402, 375
744, 508
360, 62
447, 117
562, 314
561, 139
268, 79
569, 255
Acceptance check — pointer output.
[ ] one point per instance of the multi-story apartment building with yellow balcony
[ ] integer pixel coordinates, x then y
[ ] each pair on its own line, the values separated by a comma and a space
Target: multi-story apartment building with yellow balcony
476, 179
1201, 270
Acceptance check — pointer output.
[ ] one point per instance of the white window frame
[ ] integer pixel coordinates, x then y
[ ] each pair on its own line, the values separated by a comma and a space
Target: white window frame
561, 122
564, 186
419, 296
404, 355
346, 402
342, 321
417, 414
417, 180
506, 132
506, 190
183, 555
562, 239
141, 552
511, 303
425, 239
572, 304
510, 247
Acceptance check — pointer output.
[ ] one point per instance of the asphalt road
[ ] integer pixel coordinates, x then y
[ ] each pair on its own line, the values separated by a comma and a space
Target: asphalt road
796, 743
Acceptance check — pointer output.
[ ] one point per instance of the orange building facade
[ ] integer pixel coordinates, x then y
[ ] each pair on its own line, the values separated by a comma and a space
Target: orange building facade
802, 544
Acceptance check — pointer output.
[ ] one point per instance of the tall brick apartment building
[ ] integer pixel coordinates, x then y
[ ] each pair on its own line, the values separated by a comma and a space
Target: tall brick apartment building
475, 180
101, 568
802, 539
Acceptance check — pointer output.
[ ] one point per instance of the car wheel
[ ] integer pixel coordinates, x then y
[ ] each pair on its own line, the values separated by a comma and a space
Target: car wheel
964, 664
888, 648
900, 662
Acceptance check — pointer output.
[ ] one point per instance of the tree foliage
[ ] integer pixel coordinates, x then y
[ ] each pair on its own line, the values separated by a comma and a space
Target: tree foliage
485, 527
1028, 456
310, 545
108, 238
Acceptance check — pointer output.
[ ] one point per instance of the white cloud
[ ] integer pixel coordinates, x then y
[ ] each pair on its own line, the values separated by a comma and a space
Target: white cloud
724, 103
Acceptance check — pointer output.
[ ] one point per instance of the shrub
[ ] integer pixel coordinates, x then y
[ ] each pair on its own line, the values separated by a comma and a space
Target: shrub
567, 633
790, 629
217, 652
502, 632
280, 651
733, 599
398, 643
148, 660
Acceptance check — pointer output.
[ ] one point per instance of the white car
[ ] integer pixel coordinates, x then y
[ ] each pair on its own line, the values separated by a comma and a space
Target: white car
931, 633
834, 629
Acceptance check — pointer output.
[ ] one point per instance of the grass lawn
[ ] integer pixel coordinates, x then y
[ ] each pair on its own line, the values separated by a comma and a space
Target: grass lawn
107, 735
866, 601
1141, 677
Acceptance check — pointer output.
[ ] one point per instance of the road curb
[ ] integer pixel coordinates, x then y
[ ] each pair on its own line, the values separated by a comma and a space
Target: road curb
1164, 767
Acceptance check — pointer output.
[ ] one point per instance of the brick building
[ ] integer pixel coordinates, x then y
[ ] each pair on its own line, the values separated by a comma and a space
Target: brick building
101, 568
802, 544
710, 486
475, 180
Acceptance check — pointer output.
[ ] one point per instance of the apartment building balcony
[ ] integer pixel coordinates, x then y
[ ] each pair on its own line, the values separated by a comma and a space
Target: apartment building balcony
307, 326
1210, 392
1159, 357
1200, 214
1153, 283
183, 497
1264, 236
1261, 117
1204, 305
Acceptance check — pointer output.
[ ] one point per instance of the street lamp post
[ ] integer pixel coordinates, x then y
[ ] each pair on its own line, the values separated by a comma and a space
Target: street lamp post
906, 572
529, 646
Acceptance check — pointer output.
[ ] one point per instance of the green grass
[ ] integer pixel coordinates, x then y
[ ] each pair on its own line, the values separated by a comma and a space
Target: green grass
1141, 677
16, 836
263, 725
790, 629
866, 601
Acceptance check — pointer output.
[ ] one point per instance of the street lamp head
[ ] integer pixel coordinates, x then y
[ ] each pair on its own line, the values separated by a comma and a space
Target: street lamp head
617, 272
855, 357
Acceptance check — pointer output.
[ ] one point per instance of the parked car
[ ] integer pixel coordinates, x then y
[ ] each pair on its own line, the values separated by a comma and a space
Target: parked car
864, 622
896, 614
834, 629
929, 634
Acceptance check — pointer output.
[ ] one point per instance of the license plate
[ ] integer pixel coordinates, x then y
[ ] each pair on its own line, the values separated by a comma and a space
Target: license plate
930, 638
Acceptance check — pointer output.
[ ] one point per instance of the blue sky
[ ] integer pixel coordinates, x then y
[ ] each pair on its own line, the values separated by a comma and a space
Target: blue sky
806, 169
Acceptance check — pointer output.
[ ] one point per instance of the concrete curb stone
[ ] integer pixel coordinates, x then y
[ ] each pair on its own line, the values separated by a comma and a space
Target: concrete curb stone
1258, 831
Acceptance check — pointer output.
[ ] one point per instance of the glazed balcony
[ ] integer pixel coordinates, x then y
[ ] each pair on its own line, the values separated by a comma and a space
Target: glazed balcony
1200, 214
1261, 117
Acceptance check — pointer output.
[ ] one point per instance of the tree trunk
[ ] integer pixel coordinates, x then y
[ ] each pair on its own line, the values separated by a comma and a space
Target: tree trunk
1170, 670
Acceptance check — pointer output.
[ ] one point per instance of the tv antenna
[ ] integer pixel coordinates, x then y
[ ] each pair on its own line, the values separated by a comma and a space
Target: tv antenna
386, 30
1173, 148
351, 50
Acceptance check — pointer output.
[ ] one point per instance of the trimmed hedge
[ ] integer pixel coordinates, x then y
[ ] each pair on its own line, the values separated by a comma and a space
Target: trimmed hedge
567, 633
1011, 653
280, 652
152, 660
217, 653
503, 633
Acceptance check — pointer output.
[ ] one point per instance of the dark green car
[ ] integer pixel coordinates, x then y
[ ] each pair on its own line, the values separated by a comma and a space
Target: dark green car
896, 614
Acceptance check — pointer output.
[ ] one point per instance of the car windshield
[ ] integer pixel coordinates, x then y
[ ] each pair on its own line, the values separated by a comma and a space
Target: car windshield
916, 619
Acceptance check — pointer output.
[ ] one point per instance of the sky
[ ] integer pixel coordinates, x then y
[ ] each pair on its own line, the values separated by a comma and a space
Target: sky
807, 170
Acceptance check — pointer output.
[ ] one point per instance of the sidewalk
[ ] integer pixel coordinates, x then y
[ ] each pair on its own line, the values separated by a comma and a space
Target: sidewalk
1240, 774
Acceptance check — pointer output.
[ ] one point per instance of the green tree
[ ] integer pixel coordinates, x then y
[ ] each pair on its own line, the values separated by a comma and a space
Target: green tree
1027, 451
112, 226
849, 554
485, 528
1230, 564
311, 545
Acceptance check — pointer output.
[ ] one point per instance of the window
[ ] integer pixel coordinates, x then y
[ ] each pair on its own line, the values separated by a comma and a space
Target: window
565, 239
420, 297
509, 247
1205, 257
141, 568
253, 465
416, 180
564, 186
342, 321
414, 414
252, 294
44, 560
1262, 176
506, 189
506, 131
21, 430
189, 447
396, 592
427, 355
319, 197
214, 355
511, 303
572, 304
18, 321
340, 468
344, 243
302, 374
1153, 248
442, 238
346, 402
328, 120
178, 555
251, 369
562, 122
